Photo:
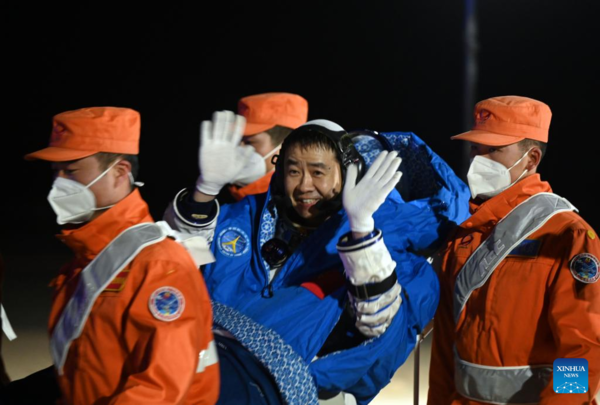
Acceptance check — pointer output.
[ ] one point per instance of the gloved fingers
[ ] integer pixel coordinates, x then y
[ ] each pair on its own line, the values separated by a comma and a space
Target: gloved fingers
218, 124
382, 188
374, 305
375, 166
372, 331
205, 132
386, 164
375, 325
392, 167
389, 186
239, 124
351, 175
384, 315
222, 121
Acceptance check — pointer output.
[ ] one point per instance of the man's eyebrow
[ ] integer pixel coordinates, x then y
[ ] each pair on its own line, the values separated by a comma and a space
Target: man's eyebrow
320, 165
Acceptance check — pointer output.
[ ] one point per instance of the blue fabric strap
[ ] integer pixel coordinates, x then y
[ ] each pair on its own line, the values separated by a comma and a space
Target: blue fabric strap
287, 368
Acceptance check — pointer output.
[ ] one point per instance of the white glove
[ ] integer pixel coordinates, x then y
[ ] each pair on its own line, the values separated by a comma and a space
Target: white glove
254, 169
220, 157
375, 314
363, 199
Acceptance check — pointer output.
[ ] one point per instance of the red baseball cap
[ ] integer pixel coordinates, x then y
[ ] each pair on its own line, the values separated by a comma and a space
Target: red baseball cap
508, 119
264, 111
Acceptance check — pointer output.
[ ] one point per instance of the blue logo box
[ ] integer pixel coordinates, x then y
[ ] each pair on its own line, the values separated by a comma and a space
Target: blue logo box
570, 376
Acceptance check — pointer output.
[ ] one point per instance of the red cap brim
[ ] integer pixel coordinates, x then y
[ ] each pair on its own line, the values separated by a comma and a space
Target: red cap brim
253, 129
55, 154
487, 138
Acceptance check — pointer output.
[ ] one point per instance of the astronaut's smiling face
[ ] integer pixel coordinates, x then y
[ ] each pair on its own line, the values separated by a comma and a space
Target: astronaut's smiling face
311, 174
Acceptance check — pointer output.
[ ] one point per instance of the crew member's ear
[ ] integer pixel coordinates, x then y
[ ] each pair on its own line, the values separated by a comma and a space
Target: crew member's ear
534, 158
121, 172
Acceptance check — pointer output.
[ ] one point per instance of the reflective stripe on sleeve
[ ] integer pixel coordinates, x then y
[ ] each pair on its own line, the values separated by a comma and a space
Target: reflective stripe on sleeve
207, 357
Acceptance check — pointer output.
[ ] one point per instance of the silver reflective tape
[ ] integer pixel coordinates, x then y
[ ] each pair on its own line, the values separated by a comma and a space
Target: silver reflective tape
207, 357
501, 385
94, 278
522, 221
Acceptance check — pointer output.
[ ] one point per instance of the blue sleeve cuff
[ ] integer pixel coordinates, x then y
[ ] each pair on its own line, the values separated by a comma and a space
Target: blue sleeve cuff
349, 244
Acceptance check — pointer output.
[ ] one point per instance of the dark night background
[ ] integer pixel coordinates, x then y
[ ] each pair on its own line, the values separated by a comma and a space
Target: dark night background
387, 65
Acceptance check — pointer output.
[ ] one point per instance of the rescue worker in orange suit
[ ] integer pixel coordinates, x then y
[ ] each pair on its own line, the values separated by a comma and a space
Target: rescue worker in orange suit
270, 117
519, 277
130, 321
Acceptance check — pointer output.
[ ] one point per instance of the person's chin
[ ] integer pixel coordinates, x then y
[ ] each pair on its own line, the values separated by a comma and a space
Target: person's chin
307, 215
306, 210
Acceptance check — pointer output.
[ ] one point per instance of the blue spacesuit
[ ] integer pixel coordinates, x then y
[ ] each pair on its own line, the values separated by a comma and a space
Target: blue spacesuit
292, 321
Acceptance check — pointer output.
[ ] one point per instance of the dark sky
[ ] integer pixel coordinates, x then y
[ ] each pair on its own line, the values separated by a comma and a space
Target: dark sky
387, 65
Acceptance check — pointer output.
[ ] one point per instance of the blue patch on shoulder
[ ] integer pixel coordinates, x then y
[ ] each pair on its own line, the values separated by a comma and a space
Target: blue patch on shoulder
527, 248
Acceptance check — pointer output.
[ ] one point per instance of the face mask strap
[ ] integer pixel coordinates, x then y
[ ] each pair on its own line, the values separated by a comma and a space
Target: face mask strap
519, 178
518, 161
268, 155
102, 174
103, 208
136, 183
524, 171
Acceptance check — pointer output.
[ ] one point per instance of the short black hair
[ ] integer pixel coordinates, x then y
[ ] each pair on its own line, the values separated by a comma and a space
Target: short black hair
106, 159
308, 137
527, 144
278, 134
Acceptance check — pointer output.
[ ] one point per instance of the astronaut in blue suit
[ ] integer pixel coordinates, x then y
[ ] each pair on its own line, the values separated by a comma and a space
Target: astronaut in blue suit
322, 284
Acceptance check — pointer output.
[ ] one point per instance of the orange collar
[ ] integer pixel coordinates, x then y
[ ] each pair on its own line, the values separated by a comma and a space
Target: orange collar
258, 187
499, 206
89, 239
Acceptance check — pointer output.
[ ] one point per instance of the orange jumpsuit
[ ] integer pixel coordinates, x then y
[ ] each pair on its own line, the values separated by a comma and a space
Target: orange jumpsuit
258, 187
531, 310
125, 355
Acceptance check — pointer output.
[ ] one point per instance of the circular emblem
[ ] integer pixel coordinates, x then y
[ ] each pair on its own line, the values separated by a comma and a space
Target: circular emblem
233, 242
584, 268
166, 304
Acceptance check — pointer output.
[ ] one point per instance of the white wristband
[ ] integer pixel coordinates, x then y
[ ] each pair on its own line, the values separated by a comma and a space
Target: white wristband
367, 262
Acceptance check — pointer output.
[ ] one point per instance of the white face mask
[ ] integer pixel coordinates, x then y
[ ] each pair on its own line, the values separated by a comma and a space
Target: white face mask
255, 168
72, 202
488, 178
